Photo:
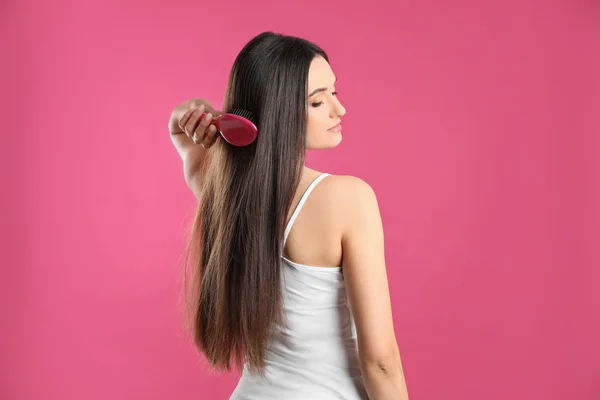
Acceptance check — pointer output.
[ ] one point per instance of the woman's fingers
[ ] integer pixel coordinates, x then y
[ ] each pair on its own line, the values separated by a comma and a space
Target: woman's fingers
212, 133
201, 128
198, 127
183, 120
190, 119
211, 137
204, 124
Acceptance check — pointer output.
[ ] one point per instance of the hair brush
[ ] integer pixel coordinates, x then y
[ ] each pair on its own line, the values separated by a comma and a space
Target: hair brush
237, 127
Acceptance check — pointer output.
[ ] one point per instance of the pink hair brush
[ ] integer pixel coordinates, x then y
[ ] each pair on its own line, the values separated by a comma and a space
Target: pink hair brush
237, 127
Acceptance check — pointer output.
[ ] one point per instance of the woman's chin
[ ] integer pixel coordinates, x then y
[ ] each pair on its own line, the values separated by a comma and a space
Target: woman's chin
328, 141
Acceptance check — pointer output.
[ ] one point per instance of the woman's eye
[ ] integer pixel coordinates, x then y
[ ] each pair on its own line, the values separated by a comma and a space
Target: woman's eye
319, 103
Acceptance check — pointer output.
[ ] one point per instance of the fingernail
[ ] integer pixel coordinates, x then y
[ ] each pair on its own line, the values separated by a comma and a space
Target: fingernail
209, 116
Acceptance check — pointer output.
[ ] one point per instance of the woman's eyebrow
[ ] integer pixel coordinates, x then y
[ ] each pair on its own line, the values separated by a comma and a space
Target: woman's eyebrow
319, 90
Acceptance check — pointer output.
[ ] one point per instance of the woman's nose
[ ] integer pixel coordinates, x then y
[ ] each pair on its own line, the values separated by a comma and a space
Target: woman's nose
339, 109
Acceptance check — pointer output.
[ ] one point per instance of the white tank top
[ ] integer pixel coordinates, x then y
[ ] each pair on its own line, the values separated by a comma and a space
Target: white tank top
316, 356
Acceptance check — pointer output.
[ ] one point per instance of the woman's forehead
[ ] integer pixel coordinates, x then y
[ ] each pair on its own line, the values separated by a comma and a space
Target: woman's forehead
320, 74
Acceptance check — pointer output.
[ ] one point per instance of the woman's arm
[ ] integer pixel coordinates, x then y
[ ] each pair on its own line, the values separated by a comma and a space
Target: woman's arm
368, 292
192, 136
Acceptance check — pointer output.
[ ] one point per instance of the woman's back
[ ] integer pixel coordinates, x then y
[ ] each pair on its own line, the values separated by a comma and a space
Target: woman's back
316, 354
314, 236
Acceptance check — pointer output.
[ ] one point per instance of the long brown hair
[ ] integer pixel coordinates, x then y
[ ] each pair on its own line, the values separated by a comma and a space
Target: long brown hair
234, 294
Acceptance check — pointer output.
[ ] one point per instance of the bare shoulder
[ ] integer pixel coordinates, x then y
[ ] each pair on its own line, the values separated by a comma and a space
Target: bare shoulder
347, 188
349, 197
346, 202
348, 183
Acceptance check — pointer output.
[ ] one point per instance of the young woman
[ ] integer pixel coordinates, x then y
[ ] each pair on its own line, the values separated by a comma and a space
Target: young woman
288, 271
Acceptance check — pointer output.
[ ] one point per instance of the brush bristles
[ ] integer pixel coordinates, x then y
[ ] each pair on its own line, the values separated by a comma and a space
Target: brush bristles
244, 114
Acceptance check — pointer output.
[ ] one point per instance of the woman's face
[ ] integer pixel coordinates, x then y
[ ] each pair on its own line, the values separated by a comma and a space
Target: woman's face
324, 129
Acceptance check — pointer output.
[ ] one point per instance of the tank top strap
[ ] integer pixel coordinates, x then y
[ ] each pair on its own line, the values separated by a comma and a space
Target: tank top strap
307, 192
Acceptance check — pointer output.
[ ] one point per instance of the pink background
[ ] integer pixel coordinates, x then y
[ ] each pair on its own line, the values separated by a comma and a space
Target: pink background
477, 125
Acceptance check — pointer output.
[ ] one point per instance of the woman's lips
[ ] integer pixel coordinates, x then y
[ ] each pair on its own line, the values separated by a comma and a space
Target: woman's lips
335, 129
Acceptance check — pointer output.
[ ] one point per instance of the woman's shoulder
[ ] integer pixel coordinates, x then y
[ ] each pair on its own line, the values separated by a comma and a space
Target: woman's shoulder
345, 203
346, 185
345, 193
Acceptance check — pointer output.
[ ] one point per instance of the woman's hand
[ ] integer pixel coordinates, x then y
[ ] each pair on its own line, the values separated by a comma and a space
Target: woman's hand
186, 118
